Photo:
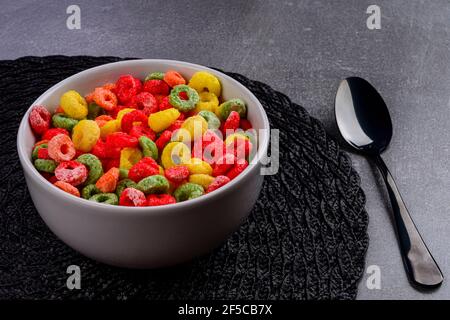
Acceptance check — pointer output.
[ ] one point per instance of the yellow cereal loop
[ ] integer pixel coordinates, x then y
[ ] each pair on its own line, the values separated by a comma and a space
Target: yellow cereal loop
161, 120
196, 126
175, 153
198, 166
204, 81
202, 179
129, 157
208, 101
85, 134
235, 136
74, 105
109, 127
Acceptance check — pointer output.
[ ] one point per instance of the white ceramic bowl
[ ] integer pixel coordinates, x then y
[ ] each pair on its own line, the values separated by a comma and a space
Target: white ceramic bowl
145, 237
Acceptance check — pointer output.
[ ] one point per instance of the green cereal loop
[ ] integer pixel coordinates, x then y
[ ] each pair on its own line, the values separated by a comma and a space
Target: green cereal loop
34, 154
45, 165
60, 120
155, 76
180, 104
94, 110
94, 165
89, 191
233, 105
149, 148
153, 184
123, 184
109, 198
188, 191
123, 173
211, 118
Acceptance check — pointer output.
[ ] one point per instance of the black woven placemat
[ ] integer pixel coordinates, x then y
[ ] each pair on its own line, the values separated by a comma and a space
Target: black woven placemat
305, 239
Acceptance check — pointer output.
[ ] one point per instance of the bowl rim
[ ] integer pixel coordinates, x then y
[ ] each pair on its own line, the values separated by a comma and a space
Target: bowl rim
27, 165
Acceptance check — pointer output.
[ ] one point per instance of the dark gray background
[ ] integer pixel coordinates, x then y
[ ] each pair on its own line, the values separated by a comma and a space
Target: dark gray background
302, 48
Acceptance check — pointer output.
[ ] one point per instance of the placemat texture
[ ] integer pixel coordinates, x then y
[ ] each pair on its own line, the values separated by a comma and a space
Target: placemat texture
306, 237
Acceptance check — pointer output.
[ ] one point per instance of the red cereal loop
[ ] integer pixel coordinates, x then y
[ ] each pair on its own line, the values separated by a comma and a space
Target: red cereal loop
43, 153
72, 172
173, 78
64, 186
50, 133
39, 119
132, 197
61, 148
177, 174
99, 149
142, 169
176, 125
156, 86
218, 182
163, 139
141, 130
127, 87
105, 98
232, 122
164, 104
108, 182
130, 118
154, 200
223, 164
147, 103
237, 169
121, 140
244, 124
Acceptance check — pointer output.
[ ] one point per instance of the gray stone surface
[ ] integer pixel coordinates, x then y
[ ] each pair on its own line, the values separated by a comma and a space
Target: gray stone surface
302, 48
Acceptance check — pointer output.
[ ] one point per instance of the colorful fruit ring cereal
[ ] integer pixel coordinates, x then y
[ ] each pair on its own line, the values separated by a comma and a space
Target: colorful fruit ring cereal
188, 191
181, 104
108, 182
60, 120
74, 105
218, 182
105, 98
177, 174
223, 111
132, 197
45, 165
61, 148
67, 187
154, 184
154, 76
88, 191
203, 81
154, 200
131, 118
144, 168
175, 153
149, 148
39, 119
72, 172
159, 121
94, 165
85, 135
173, 78
129, 157
109, 198
211, 118
156, 87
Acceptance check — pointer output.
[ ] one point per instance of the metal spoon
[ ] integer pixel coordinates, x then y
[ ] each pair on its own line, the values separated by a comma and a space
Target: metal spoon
364, 122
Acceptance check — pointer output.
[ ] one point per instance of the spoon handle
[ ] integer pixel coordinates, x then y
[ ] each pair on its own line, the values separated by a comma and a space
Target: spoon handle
420, 265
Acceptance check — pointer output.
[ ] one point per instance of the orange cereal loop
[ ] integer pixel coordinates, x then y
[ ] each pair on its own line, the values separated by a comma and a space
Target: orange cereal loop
107, 183
173, 78
105, 98
109, 86
64, 186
